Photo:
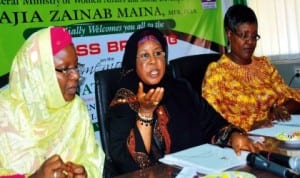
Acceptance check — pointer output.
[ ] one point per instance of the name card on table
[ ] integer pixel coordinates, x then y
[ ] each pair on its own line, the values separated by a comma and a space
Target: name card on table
206, 159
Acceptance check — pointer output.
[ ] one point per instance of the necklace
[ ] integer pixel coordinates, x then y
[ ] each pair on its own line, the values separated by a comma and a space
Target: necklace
252, 72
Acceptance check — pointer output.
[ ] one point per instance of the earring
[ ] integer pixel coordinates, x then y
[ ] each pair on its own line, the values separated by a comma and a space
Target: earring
228, 48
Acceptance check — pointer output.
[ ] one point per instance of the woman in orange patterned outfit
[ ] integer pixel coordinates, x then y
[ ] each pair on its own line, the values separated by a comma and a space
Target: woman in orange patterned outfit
247, 90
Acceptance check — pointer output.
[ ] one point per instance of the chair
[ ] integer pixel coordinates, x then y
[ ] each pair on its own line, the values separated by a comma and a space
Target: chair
4, 80
105, 87
192, 68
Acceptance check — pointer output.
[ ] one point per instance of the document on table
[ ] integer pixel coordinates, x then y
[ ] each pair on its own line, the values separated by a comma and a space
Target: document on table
279, 127
207, 158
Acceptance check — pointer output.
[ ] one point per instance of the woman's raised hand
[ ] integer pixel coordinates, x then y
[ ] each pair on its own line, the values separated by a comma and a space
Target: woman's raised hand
150, 100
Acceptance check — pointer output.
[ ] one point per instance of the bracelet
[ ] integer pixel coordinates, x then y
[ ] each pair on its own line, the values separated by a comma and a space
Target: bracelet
145, 120
224, 135
285, 109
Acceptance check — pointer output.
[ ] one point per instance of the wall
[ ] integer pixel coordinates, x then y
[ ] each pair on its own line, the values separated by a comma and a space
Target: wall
287, 70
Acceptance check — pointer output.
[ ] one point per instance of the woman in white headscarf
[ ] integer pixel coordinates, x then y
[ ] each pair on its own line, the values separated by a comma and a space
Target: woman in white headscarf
45, 128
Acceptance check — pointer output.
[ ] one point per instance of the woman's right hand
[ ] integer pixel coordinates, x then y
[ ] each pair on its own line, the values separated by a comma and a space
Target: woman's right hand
150, 100
53, 167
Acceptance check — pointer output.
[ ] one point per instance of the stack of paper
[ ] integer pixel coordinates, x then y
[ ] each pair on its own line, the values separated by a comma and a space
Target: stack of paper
207, 158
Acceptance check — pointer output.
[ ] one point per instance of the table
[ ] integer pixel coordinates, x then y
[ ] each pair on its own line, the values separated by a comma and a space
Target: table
167, 171
170, 171
157, 171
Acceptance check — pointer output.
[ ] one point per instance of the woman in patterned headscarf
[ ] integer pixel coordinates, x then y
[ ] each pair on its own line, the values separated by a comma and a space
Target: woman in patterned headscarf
153, 114
45, 128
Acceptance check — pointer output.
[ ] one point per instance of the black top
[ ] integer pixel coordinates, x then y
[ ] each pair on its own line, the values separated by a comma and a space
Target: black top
182, 119
192, 121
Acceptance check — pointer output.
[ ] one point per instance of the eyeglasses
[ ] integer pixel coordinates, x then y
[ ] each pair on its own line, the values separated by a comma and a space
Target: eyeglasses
156, 54
245, 36
68, 71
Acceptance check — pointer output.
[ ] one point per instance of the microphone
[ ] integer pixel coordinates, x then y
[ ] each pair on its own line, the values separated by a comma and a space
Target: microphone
258, 161
286, 161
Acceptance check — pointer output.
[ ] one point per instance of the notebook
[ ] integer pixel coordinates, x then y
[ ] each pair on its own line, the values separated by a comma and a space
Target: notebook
206, 158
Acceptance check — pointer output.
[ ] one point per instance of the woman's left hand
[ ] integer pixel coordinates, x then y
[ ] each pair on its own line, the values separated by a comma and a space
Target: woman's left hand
280, 113
76, 170
241, 142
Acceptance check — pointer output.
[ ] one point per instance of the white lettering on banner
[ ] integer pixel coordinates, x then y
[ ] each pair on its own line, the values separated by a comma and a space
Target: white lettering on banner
78, 31
97, 28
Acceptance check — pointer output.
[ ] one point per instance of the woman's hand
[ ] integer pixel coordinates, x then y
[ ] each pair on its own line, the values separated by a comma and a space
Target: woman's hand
241, 142
262, 124
150, 100
76, 171
53, 167
148, 103
279, 113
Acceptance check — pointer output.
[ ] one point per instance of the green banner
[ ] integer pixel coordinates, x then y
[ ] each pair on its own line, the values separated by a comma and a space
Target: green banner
19, 18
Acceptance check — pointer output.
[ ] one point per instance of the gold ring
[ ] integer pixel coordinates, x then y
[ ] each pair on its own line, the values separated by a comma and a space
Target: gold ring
155, 103
285, 112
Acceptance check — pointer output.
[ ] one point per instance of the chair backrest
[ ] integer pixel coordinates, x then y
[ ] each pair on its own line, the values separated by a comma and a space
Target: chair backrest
106, 83
4, 80
192, 68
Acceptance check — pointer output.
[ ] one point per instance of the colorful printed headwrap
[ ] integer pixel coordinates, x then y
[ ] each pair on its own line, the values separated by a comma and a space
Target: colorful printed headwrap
146, 38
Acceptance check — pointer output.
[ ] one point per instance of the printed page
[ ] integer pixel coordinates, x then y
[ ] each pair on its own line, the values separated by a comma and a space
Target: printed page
206, 158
